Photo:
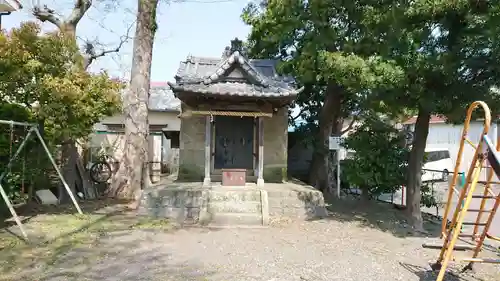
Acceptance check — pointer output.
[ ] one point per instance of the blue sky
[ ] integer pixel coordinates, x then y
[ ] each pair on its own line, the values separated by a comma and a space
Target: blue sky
196, 27
192, 27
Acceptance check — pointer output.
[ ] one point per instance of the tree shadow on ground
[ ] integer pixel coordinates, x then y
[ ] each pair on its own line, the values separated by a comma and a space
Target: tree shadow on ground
380, 215
53, 231
30, 210
92, 210
103, 243
429, 275
119, 255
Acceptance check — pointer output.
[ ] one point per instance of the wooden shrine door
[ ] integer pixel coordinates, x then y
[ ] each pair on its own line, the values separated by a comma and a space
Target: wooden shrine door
234, 141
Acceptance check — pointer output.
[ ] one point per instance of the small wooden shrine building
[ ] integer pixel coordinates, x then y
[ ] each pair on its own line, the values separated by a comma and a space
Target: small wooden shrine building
234, 116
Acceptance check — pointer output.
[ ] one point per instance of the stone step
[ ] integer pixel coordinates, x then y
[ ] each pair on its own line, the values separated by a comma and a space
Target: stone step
222, 219
234, 195
235, 207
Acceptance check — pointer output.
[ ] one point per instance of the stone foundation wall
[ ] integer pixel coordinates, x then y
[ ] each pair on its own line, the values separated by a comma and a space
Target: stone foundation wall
226, 206
183, 206
306, 205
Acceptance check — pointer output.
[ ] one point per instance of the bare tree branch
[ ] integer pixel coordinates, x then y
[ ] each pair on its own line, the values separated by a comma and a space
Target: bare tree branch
349, 127
90, 54
46, 14
302, 110
80, 8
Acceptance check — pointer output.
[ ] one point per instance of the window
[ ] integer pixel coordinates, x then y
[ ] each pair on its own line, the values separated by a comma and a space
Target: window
430, 157
173, 136
445, 154
436, 155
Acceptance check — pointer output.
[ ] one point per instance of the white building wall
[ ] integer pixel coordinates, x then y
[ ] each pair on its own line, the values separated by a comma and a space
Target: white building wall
448, 136
168, 119
160, 151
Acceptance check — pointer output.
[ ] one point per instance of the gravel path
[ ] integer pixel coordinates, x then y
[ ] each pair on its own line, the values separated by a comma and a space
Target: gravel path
318, 250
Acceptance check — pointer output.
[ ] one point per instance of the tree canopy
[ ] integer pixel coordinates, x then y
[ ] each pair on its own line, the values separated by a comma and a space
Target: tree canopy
40, 68
326, 46
423, 57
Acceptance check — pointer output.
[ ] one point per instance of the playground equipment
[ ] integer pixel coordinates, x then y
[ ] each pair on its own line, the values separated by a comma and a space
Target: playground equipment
485, 153
31, 129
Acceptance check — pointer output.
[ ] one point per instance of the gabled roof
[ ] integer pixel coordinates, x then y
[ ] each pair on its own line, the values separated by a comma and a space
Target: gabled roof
236, 59
208, 76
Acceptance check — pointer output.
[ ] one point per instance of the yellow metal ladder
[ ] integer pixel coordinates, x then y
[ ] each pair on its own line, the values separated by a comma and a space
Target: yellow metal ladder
484, 153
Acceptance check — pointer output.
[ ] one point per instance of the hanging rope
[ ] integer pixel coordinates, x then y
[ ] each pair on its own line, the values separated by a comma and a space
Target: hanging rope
23, 165
11, 143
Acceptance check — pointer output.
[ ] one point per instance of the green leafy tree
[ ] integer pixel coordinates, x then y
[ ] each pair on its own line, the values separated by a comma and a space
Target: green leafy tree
39, 69
379, 164
448, 51
327, 47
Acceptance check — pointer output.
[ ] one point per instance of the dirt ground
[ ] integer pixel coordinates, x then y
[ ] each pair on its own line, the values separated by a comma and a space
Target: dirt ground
371, 243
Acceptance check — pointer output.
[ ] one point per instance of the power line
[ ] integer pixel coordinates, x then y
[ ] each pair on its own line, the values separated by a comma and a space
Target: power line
204, 2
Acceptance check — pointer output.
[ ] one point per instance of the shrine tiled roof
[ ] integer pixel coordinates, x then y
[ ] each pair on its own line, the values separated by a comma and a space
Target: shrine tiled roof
208, 76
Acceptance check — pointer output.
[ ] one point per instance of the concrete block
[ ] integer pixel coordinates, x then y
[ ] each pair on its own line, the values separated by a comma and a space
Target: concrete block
46, 197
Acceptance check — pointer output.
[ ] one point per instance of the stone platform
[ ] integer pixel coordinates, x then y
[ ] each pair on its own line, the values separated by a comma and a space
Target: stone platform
192, 204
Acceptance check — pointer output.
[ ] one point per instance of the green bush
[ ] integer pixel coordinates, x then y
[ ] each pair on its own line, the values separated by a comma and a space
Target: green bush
380, 162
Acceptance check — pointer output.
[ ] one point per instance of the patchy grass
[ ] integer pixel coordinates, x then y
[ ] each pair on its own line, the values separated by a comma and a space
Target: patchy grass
56, 232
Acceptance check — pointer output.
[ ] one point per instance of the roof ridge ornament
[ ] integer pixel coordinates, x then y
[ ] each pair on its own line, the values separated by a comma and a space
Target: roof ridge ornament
235, 55
236, 45
226, 53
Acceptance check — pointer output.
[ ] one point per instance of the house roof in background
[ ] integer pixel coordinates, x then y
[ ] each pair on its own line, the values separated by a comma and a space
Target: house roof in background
10, 5
435, 119
438, 119
161, 98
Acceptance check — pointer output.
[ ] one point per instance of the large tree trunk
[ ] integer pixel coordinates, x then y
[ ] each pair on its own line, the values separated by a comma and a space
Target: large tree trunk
415, 169
133, 175
321, 172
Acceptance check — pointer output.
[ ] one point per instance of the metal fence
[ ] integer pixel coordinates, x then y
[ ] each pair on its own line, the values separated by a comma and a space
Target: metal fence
435, 186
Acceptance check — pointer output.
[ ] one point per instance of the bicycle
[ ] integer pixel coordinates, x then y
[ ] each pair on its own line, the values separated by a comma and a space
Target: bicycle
100, 171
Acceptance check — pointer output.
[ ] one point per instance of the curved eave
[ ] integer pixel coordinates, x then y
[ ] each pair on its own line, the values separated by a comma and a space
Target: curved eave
287, 95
